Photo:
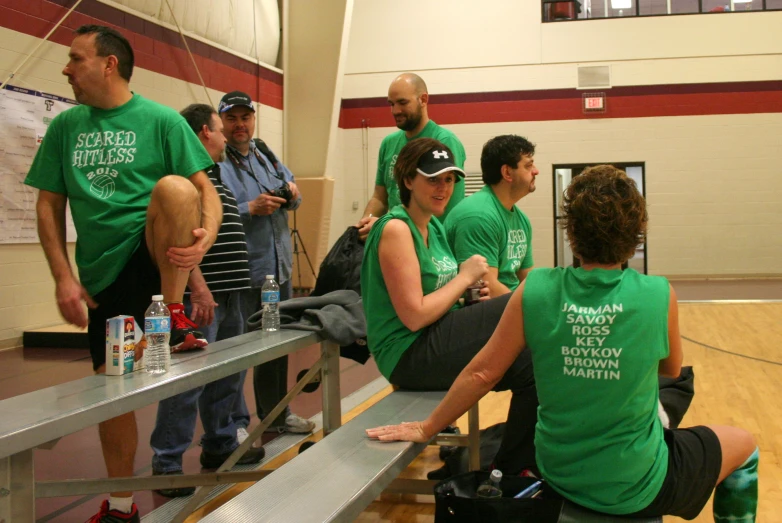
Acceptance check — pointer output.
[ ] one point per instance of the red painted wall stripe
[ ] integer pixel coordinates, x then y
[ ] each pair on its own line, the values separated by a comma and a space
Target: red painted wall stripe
566, 104
156, 48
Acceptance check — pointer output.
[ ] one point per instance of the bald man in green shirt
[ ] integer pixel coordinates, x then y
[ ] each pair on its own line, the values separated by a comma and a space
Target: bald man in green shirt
409, 99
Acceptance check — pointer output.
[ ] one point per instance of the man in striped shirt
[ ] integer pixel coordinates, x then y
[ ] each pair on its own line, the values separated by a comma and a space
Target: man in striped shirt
216, 291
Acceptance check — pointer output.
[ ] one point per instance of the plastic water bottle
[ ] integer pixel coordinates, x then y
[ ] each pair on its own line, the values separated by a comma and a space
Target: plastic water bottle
157, 331
270, 301
491, 488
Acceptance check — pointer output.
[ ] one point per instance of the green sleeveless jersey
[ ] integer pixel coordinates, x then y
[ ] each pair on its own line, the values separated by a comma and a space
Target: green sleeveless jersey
387, 336
597, 338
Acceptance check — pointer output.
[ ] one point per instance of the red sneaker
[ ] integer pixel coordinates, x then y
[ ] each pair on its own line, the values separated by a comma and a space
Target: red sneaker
184, 335
114, 516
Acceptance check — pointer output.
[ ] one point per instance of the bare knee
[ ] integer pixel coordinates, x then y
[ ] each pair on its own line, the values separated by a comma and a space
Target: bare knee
737, 446
173, 188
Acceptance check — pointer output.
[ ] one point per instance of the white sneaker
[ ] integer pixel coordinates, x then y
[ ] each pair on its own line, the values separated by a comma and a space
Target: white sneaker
298, 425
241, 434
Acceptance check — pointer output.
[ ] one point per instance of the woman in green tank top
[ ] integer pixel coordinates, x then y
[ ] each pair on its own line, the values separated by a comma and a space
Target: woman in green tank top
418, 333
599, 336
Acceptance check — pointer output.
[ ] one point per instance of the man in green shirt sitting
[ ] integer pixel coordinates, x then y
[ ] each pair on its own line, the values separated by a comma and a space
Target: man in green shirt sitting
489, 223
409, 99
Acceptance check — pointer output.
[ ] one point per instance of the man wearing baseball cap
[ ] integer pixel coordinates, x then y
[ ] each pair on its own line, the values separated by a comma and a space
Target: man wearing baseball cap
265, 190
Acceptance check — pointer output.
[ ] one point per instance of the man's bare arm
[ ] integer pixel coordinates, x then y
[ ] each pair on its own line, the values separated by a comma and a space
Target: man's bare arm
495, 287
376, 207
50, 209
211, 206
201, 299
522, 273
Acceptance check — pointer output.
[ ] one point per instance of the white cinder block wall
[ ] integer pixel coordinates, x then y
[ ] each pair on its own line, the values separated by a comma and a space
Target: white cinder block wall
26, 286
712, 180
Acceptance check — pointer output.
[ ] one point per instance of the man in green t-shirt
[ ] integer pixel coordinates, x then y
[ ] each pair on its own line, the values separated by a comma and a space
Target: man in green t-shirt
409, 99
489, 223
144, 209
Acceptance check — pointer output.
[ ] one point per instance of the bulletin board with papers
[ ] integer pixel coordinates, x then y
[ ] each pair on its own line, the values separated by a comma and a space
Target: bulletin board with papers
24, 116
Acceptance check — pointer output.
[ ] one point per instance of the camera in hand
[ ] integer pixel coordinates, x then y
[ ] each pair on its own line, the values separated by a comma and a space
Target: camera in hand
283, 192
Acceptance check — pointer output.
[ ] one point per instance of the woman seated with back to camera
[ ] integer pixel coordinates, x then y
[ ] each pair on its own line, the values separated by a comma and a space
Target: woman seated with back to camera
599, 336
419, 334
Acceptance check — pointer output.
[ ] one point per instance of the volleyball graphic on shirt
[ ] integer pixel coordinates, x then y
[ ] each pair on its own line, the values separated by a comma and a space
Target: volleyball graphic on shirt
102, 186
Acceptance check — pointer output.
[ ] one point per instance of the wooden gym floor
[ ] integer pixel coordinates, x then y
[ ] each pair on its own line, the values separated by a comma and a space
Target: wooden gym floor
734, 348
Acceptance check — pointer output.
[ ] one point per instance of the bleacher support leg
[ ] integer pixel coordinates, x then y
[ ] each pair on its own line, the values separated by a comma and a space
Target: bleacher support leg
17, 488
474, 437
332, 409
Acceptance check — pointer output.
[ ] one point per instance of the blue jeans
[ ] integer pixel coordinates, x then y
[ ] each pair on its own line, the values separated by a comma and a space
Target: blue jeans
270, 379
176, 416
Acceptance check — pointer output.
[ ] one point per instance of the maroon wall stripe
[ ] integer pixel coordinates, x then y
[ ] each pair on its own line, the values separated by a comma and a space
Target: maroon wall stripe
566, 104
156, 48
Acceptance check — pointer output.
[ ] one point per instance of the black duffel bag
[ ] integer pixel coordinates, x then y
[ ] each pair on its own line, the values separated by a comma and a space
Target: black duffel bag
456, 502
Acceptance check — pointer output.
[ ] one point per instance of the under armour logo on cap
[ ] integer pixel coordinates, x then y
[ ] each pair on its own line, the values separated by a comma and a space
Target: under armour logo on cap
436, 162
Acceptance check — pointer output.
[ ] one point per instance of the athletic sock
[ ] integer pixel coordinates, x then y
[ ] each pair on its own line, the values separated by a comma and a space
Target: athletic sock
736, 498
121, 504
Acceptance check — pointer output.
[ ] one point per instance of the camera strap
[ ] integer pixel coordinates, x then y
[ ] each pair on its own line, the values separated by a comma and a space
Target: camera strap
260, 147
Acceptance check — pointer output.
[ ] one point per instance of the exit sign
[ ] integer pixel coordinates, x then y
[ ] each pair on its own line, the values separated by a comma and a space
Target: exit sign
594, 102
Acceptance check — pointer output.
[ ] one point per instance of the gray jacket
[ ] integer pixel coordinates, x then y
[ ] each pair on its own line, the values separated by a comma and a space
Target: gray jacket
337, 316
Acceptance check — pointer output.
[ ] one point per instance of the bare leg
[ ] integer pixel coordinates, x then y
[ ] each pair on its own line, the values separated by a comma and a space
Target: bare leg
119, 439
173, 213
736, 495
737, 445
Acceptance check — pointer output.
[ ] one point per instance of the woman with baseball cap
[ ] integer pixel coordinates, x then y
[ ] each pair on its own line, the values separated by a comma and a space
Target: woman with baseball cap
418, 332
600, 442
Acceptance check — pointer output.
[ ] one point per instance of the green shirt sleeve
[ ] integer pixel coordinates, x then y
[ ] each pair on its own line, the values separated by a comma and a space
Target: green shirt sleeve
476, 235
185, 154
528, 261
381, 157
46, 172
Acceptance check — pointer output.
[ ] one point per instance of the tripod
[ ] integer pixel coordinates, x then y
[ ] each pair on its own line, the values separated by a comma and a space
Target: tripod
296, 239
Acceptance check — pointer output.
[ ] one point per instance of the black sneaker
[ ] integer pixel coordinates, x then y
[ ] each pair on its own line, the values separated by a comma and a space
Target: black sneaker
213, 461
174, 492
105, 515
184, 335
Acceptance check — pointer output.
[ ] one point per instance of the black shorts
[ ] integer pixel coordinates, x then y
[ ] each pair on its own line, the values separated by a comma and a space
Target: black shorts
130, 294
694, 462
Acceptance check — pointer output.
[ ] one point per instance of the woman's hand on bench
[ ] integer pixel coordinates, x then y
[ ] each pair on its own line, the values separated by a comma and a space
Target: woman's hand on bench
407, 431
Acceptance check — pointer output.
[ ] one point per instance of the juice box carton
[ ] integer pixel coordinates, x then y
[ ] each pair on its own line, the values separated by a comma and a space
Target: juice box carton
124, 346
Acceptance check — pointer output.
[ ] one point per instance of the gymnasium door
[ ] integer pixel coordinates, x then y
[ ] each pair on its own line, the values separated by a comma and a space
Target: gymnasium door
563, 174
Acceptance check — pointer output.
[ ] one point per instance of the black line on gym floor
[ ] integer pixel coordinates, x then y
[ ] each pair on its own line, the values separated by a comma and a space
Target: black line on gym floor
729, 352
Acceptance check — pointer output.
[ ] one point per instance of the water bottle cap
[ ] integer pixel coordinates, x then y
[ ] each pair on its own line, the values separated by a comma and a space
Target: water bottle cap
270, 276
157, 297
496, 474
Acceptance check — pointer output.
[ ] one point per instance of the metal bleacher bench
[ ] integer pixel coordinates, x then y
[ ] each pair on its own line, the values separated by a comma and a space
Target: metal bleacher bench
38, 419
332, 481
338, 477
